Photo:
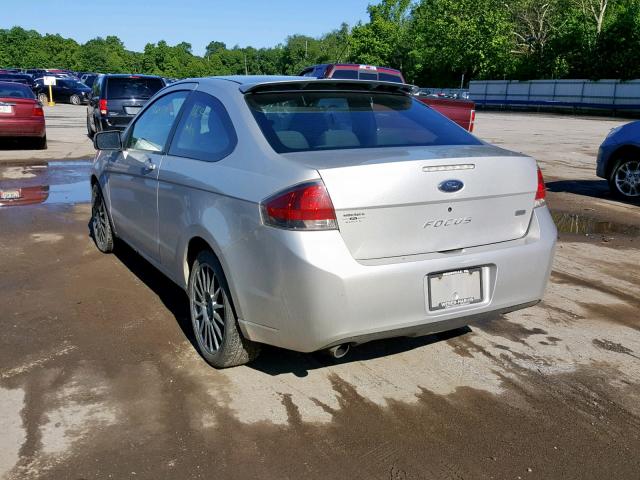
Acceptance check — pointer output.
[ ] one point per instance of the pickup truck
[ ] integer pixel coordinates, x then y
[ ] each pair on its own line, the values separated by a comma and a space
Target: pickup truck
460, 111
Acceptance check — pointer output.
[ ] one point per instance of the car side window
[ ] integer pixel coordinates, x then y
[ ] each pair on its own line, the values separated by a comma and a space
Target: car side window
96, 86
205, 131
151, 130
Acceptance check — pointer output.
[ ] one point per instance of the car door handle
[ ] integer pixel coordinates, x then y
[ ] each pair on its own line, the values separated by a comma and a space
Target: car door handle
149, 167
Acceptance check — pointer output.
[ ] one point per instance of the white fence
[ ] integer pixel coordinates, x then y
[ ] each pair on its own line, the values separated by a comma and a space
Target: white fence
577, 94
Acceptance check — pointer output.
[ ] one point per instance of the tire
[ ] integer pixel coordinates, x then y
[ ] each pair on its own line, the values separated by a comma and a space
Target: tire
101, 229
213, 318
90, 132
41, 143
75, 99
624, 180
44, 98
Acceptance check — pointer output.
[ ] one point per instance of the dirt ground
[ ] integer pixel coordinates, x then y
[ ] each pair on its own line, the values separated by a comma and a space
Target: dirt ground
99, 378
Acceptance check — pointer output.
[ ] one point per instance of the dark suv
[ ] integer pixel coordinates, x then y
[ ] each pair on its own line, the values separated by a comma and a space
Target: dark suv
116, 98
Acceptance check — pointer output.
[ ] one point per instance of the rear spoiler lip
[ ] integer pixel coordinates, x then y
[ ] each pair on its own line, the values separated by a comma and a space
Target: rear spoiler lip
299, 85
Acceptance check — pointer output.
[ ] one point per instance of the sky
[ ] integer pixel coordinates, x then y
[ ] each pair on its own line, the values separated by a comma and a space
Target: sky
257, 23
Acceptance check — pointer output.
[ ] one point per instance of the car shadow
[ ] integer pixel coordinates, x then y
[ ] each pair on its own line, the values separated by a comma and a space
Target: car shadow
171, 296
17, 144
278, 361
587, 188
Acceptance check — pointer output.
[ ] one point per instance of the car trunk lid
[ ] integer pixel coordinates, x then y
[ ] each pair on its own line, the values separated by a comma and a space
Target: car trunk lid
396, 201
17, 107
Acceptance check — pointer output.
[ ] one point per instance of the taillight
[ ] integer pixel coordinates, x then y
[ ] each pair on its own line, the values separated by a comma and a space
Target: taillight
303, 207
103, 107
541, 192
37, 110
472, 120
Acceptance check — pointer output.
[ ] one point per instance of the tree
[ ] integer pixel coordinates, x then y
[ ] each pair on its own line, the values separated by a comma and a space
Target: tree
385, 40
215, 47
461, 37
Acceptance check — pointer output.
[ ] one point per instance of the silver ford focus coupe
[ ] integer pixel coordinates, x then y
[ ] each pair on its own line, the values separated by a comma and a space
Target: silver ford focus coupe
318, 214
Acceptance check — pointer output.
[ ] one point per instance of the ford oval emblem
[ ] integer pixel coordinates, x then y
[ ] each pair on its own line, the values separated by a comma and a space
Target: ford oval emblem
450, 186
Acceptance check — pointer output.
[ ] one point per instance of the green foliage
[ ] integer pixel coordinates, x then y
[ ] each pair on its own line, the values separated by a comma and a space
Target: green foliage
386, 39
434, 42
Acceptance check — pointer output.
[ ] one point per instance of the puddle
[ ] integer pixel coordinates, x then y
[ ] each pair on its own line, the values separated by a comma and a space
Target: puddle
583, 224
56, 182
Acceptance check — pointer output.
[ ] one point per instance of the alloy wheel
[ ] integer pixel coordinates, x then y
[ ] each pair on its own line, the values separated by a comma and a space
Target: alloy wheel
627, 178
208, 305
100, 223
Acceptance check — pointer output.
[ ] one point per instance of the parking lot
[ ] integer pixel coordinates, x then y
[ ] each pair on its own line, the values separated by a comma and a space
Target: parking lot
99, 377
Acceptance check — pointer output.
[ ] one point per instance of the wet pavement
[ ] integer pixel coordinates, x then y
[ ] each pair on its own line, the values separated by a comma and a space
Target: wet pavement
99, 377
55, 182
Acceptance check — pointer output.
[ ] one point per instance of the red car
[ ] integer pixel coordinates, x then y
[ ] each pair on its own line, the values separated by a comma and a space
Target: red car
21, 114
463, 112
24, 195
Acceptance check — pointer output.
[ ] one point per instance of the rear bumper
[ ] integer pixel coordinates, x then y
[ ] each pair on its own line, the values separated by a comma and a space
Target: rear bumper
307, 292
22, 128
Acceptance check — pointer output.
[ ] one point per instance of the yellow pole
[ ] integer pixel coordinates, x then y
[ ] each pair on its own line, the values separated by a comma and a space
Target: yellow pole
51, 102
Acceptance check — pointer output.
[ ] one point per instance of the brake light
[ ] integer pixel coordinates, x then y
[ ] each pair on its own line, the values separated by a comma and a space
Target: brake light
103, 107
37, 110
472, 120
541, 192
303, 207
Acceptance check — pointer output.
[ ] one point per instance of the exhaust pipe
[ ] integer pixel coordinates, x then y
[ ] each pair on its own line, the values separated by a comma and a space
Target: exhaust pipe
338, 351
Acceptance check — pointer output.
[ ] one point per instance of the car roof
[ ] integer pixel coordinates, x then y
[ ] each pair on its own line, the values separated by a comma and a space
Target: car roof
257, 79
129, 75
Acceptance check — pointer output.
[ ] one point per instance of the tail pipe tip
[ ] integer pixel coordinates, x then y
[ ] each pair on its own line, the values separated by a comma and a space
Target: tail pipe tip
338, 351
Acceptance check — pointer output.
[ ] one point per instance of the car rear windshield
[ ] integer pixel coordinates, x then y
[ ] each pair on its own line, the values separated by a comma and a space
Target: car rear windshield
133, 87
390, 77
304, 121
366, 75
15, 90
11, 76
345, 74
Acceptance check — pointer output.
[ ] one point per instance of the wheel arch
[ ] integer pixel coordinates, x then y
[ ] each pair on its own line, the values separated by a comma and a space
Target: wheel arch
618, 154
195, 241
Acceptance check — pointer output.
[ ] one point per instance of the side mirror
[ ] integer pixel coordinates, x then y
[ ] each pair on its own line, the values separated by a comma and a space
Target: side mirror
109, 140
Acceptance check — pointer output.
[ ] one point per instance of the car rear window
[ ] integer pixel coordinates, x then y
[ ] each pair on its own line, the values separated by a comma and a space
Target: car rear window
14, 78
389, 77
133, 87
15, 90
345, 74
305, 121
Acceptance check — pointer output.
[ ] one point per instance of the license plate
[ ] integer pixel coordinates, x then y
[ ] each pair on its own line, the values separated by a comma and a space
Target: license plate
9, 194
455, 288
6, 109
132, 110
